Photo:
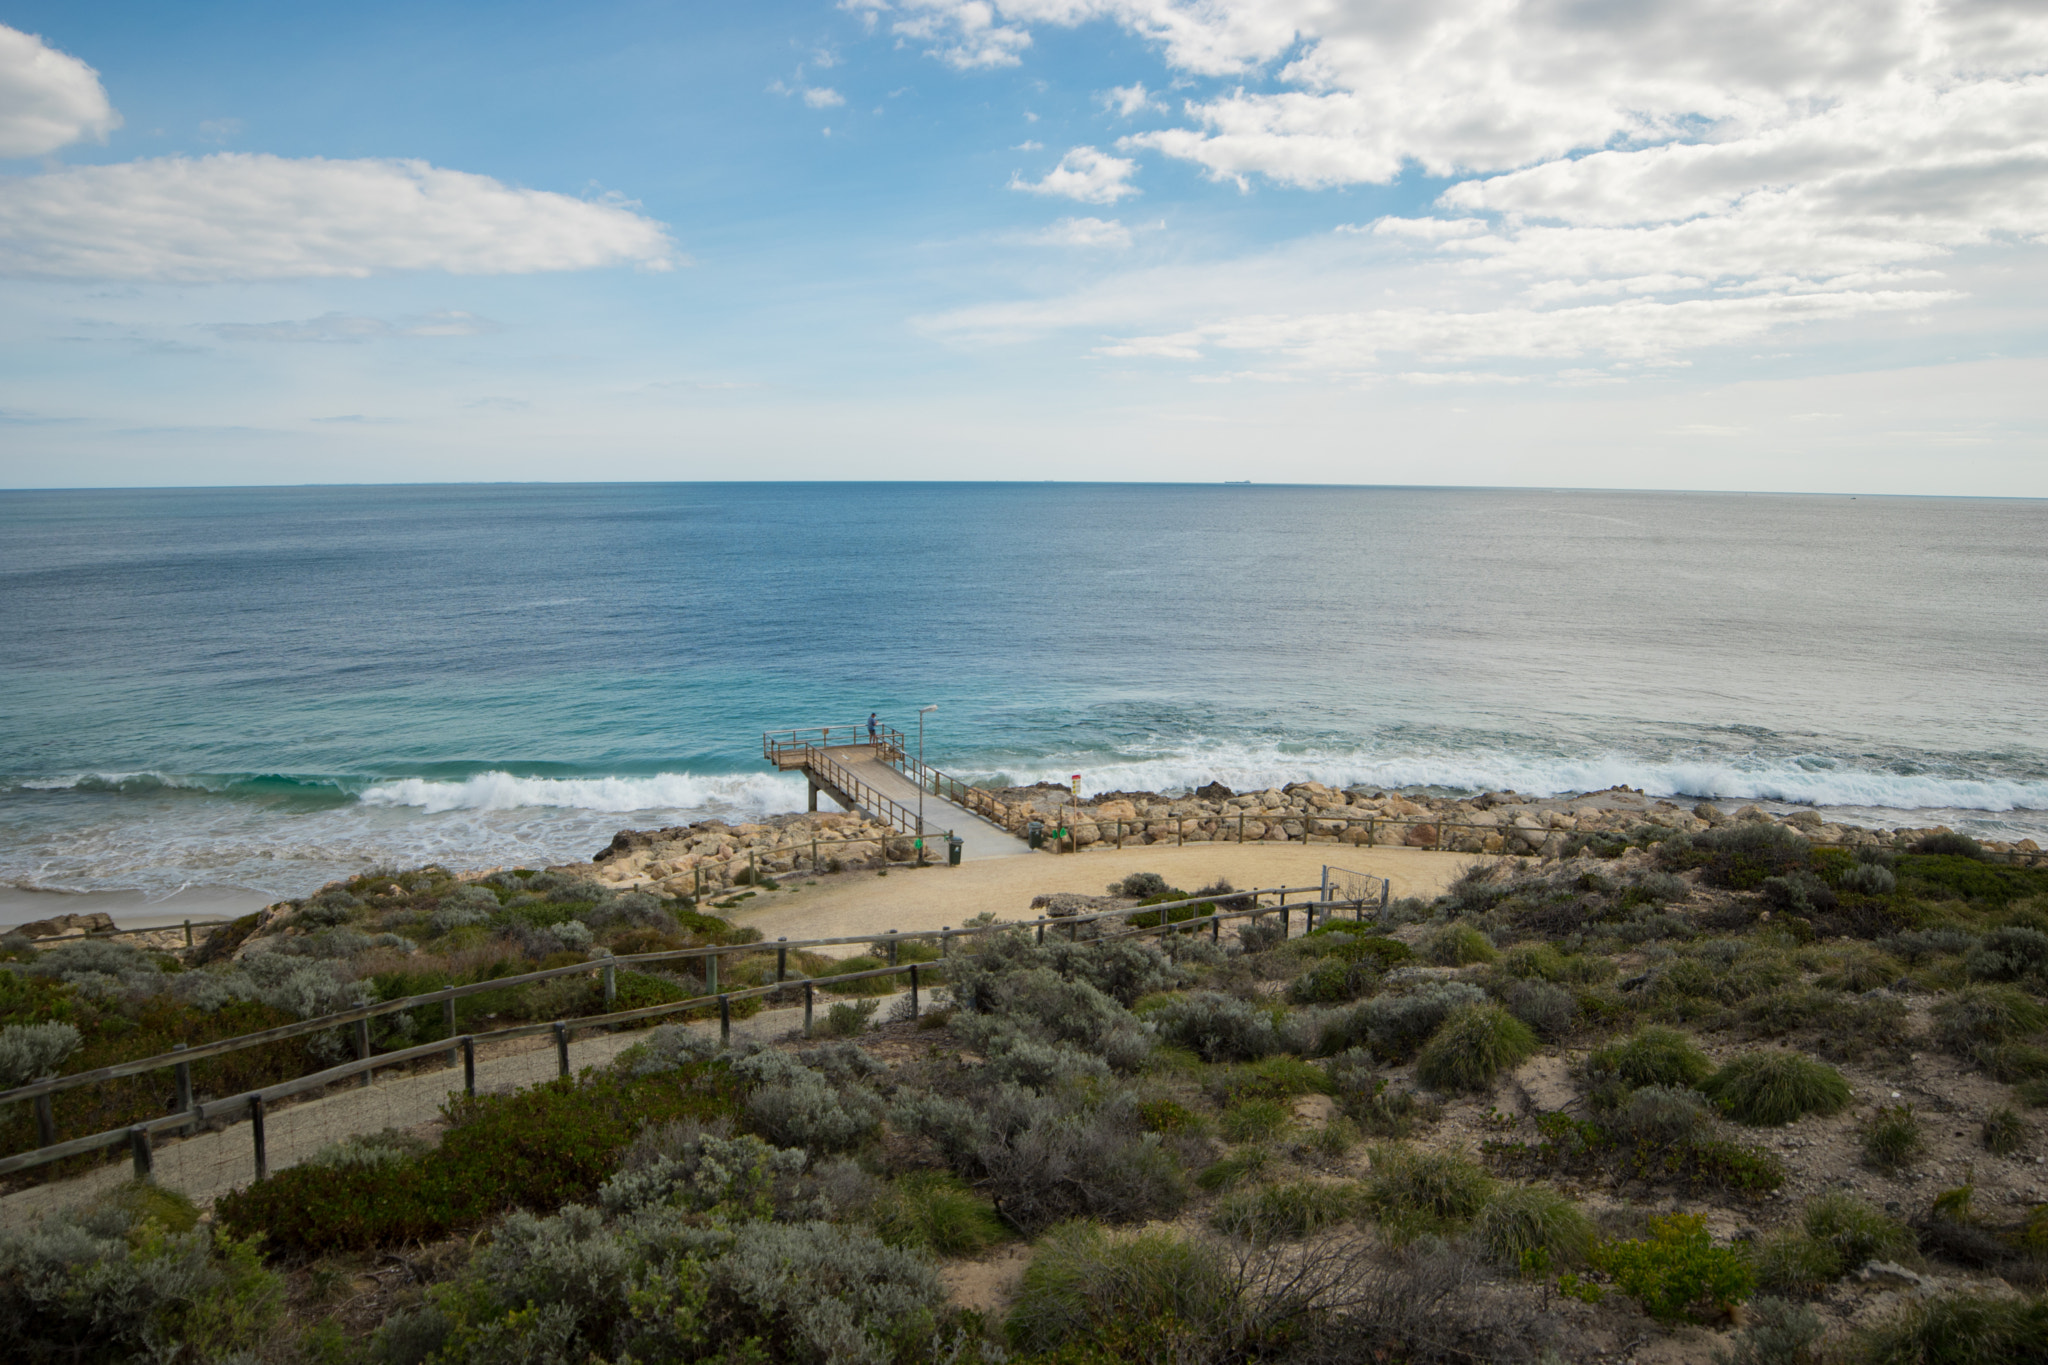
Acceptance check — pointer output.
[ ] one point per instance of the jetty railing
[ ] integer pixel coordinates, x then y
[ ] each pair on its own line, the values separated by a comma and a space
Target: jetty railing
975, 800
251, 1105
779, 746
863, 794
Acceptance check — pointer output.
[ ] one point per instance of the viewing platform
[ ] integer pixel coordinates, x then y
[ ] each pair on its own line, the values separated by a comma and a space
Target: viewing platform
883, 779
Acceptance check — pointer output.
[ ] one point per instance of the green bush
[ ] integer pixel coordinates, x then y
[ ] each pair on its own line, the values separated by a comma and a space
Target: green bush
1795, 1266
1546, 1008
1892, 1139
1254, 1120
538, 1148
1459, 945
1396, 1026
820, 1108
847, 1019
935, 1212
1856, 1232
1084, 1284
1677, 1271
1274, 1078
1413, 1191
1474, 1046
1533, 1229
1655, 1055
1956, 1329
1333, 981
1769, 1088
1293, 1208
1948, 843
1217, 1028
1777, 1333
1986, 1015
130, 1278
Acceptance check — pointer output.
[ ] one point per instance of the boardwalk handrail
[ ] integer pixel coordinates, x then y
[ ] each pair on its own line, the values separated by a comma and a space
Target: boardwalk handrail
975, 800
139, 1133
862, 794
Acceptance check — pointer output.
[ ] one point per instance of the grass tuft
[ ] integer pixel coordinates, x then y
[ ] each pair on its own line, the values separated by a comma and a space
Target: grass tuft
1534, 1230
1475, 1045
1892, 1139
1654, 1056
1768, 1088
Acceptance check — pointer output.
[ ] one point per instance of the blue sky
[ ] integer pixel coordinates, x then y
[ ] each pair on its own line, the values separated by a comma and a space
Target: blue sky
1679, 245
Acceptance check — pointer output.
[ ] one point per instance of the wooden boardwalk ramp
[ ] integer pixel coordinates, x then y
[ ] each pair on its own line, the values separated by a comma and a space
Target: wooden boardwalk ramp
885, 781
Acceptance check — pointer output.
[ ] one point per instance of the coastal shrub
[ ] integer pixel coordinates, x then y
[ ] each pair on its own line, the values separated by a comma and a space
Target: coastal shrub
1544, 1007
1415, 1190
29, 1052
1049, 1008
668, 1048
1089, 1285
1977, 1016
1775, 1333
1474, 1046
1381, 1111
1739, 856
1216, 1027
1854, 1231
934, 1212
1046, 1157
1798, 893
127, 1278
1533, 1229
1333, 980
2009, 953
797, 1105
100, 968
1948, 843
1795, 1266
1677, 1271
1861, 967
1139, 885
1664, 1116
847, 1019
1291, 1208
1869, 879
1960, 1328
366, 1150
1891, 1138
1918, 945
1122, 969
540, 1147
633, 910
1458, 945
1768, 1088
1395, 1026
2004, 1132
1254, 1120
694, 1168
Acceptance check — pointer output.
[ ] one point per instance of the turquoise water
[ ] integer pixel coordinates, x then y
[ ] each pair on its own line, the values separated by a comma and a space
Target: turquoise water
269, 687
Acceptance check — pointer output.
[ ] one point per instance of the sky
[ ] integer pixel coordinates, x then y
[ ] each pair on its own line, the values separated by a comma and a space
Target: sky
1736, 244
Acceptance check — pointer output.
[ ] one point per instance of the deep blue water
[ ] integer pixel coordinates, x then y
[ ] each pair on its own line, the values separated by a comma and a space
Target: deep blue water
268, 687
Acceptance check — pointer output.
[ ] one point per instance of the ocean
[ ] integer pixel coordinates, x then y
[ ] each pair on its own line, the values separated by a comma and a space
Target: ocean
264, 689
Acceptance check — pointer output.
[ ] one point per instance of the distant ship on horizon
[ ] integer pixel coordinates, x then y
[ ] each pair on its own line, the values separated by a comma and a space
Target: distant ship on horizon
1235, 481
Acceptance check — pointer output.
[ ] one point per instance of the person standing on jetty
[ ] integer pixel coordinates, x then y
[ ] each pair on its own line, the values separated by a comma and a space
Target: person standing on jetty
871, 726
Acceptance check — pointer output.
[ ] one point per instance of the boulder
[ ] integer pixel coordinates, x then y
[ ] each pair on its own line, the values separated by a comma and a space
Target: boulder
1420, 836
1214, 791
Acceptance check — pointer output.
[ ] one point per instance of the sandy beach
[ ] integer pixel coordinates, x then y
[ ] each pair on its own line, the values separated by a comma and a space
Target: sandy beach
912, 901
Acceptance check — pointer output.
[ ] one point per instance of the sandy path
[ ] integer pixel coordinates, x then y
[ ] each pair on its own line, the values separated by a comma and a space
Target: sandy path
928, 898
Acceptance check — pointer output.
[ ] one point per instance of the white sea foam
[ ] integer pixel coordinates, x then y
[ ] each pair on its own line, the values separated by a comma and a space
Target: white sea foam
1812, 782
750, 793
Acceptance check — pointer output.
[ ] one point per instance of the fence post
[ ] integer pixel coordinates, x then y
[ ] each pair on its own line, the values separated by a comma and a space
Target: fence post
363, 1049
611, 985
699, 871
753, 872
1284, 930
139, 1148
810, 995
892, 947
814, 855
448, 1015
1240, 827
913, 990
469, 1065
1180, 832
945, 941
1215, 928
781, 959
1041, 930
725, 1020
256, 1137
188, 933
46, 1122
562, 1046
184, 1076
711, 974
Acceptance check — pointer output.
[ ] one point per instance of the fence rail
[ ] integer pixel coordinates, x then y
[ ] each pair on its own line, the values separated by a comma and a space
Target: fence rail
605, 968
250, 1106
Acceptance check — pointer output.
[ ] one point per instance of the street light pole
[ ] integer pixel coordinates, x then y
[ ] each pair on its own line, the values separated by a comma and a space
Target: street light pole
921, 711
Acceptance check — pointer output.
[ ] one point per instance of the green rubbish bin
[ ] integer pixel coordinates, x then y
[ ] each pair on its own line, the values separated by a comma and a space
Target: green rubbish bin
1034, 834
953, 843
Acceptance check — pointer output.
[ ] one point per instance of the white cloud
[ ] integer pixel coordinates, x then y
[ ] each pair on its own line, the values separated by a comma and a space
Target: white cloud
1731, 166
823, 97
1085, 174
1083, 232
1130, 99
244, 217
48, 99
1029, 147
343, 327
